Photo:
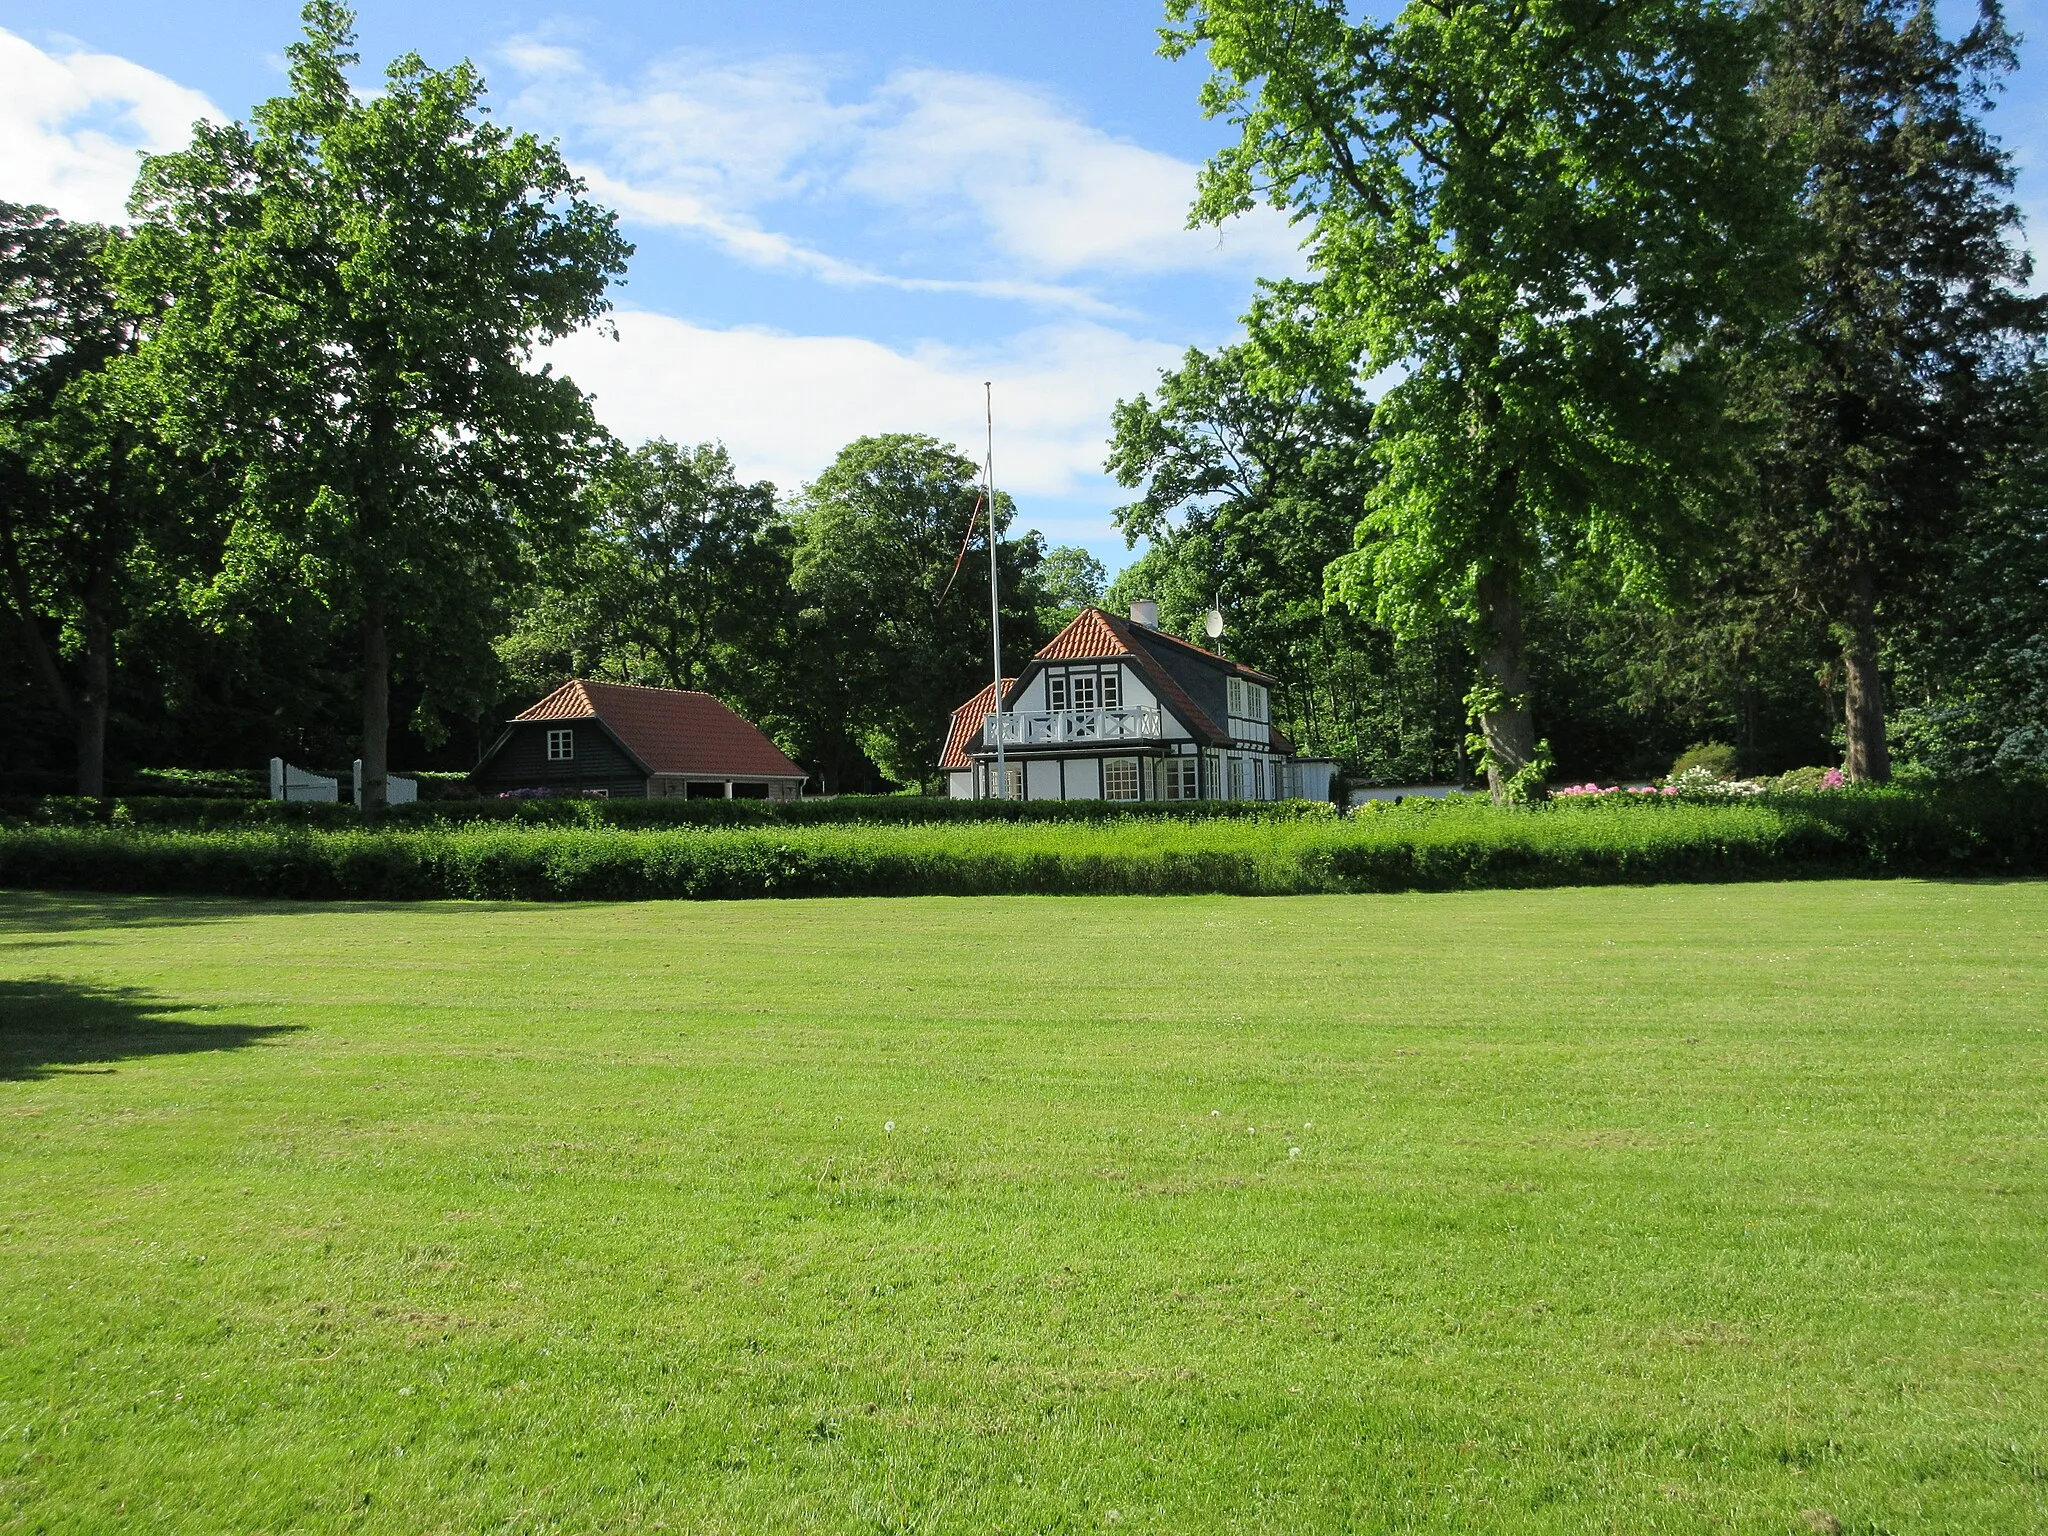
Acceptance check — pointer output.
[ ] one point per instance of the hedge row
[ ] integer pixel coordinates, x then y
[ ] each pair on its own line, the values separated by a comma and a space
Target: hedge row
1412, 848
886, 810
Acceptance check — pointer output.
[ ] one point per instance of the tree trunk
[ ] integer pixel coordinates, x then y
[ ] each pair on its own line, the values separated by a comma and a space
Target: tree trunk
376, 707
1510, 730
1870, 757
90, 712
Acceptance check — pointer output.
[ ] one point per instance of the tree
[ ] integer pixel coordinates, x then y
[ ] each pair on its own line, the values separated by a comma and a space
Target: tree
1539, 218
1069, 579
890, 640
359, 286
1890, 394
84, 484
682, 581
1254, 462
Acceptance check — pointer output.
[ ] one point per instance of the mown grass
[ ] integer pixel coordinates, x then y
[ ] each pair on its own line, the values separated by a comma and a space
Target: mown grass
1670, 1209
1421, 846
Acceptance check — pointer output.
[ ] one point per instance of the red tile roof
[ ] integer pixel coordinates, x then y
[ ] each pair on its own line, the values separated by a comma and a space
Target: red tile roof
1097, 633
966, 728
671, 730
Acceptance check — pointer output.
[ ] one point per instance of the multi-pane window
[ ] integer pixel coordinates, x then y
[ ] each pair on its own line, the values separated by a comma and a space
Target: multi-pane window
1236, 778
1177, 778
1056, 690
1237, 696
1258, 778
1120, 778
1081, 689
1112, 690
561, 746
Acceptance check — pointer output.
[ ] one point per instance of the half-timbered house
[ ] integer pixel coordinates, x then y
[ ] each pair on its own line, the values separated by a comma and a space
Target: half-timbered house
1118, 709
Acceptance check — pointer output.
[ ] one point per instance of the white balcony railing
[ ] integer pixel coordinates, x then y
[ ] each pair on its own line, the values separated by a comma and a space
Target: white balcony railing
1061, 727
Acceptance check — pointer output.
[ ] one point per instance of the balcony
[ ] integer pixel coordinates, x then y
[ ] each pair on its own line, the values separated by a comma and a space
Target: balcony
1072, 727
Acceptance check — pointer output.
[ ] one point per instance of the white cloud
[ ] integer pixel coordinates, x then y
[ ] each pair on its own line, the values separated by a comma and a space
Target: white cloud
1053, 192
72, 124
784, 405
987, 182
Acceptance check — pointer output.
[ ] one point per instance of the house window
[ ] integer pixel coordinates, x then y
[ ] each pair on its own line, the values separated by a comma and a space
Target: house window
561, 746
1258, 778
1236, 778
1237, 696
1082, 687
1012, 781
1120, 778
1178, 780
1112, 690
1056, 690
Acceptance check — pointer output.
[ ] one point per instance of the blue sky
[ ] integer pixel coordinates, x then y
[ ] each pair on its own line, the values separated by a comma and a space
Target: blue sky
847, 216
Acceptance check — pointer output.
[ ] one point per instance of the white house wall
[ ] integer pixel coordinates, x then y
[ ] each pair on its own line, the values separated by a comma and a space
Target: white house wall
1084, 778
1041, 779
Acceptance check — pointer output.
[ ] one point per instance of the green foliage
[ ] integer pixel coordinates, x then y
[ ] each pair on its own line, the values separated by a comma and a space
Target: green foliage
1254, 464
1426, 846
878, 535
91, 498
1545, 218
681, 580
1068, 579
361, 283
1892, 390
1713, 757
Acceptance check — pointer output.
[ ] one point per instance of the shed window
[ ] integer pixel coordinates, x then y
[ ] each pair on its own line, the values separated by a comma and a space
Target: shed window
561, 746
1120, 778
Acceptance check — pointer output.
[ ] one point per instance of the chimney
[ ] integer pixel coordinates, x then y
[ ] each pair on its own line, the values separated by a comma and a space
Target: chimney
1146, 612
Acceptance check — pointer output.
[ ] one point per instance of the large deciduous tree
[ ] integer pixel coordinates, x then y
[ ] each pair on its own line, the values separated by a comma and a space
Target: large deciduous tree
1889, 395
890, 639
84, 483
359, 284
1537, 218
681, 581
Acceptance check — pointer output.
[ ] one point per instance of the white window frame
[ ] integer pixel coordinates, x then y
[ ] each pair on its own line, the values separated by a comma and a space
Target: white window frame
562, 746
1081, 688
1236, 775
1111, 689
1121, 766
1236, 703
1055, 690
1258, 778
1179, 781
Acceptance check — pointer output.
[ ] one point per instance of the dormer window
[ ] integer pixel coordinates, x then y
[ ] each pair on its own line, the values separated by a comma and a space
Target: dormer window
561, 746
1112, 690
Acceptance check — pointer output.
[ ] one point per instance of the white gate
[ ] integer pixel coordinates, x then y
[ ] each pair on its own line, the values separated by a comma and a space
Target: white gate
289, 783
397, 791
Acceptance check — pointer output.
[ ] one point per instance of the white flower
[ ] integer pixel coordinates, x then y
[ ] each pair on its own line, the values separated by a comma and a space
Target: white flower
1215, 1112
889, 1125
1294, 1151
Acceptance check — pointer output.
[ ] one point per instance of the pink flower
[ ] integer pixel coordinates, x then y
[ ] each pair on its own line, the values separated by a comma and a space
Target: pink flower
1832, 779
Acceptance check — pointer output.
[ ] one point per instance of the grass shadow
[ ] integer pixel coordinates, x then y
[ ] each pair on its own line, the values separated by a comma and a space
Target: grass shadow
50, 1026
71, 912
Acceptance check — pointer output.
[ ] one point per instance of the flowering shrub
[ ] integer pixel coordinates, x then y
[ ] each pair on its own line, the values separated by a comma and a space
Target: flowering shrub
1616, 789
1702, 781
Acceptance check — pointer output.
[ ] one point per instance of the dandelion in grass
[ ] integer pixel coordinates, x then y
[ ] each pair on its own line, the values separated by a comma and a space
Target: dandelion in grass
1294, 1151
889, 1126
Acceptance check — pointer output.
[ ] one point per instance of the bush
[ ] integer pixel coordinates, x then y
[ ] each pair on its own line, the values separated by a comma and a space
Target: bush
1417, 846
1713, 757
568, 812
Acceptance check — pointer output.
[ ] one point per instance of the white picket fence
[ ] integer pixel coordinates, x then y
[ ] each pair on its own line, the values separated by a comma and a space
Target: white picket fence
397, 791
291, 783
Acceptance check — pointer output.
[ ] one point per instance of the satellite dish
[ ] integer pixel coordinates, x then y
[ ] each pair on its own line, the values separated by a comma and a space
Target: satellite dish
1213, 625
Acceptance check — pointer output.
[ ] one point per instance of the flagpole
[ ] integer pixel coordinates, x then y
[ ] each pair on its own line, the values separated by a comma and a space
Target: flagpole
995, 608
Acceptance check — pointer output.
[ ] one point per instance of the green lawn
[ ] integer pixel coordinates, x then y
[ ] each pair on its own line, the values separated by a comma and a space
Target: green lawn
1619, 1210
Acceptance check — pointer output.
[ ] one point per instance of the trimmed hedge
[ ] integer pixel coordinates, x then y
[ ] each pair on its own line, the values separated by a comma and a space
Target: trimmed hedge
880, 810
1425, 846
